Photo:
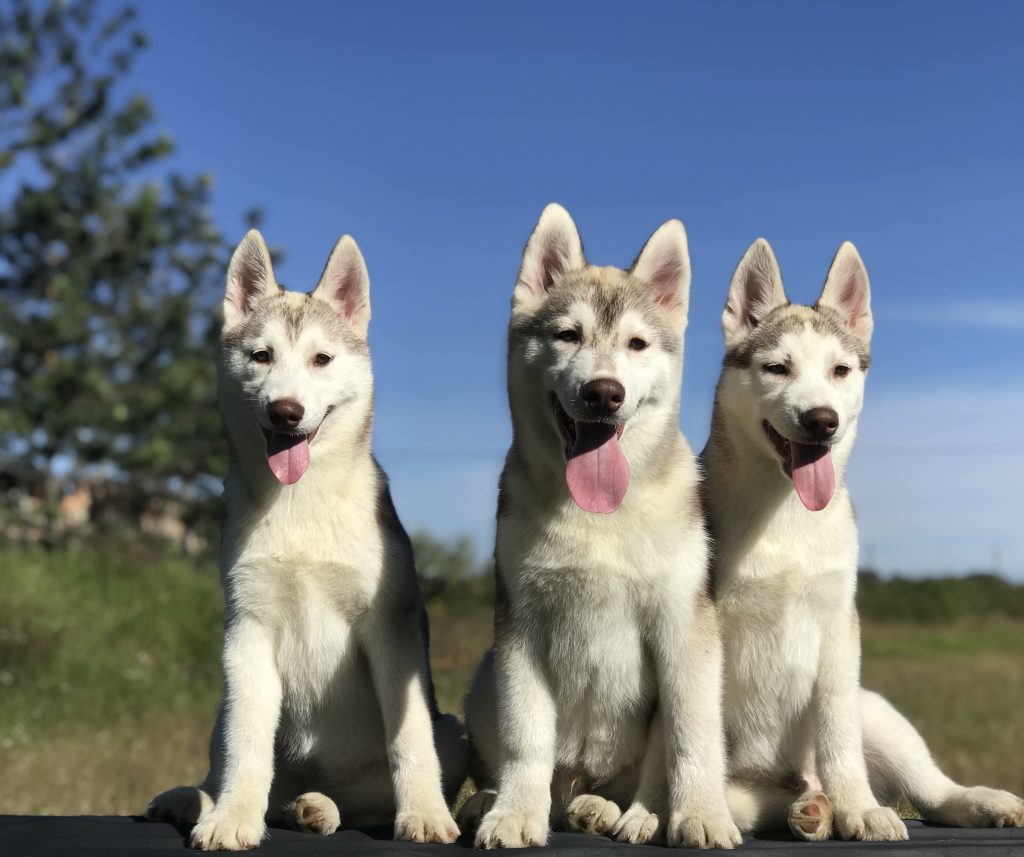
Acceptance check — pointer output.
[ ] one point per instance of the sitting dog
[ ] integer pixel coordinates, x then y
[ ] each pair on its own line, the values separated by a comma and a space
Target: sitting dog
602, 692
807, 746
328, 713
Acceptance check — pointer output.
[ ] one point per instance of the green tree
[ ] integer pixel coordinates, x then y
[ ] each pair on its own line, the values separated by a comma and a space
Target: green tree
110, 266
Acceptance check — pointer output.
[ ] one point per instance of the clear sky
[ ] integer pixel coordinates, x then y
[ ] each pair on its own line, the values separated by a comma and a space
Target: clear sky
436, 132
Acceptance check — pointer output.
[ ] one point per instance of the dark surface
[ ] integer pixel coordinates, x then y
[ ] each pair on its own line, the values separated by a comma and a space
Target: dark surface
54, 836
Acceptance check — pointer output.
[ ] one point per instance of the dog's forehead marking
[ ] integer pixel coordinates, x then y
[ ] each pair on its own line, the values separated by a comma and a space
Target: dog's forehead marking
581, 312
795, 319
611, 295
294, 315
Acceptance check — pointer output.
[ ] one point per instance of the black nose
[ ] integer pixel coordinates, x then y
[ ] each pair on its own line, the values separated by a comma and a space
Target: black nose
285, 414
604, 396
821, 423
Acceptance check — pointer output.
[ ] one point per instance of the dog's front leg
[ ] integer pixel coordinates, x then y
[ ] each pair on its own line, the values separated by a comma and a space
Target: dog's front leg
839, 744
526, 738
398, 664
689, 654
252, 706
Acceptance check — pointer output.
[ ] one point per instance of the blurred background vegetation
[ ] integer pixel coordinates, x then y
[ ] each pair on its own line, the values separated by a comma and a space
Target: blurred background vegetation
111, 271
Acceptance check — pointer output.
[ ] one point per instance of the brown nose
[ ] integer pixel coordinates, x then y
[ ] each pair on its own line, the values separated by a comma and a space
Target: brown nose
285, 414
604, 396
821, 423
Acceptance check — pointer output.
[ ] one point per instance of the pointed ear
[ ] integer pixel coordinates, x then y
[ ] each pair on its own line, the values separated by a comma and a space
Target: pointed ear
756, 290
250, 278
345, 283
848, 292
553, 248
665, 264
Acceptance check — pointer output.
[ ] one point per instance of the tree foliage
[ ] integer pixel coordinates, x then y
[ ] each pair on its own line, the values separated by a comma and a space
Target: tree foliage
109, 267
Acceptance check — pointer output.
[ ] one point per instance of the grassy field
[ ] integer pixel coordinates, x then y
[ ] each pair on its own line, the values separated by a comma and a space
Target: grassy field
109, 674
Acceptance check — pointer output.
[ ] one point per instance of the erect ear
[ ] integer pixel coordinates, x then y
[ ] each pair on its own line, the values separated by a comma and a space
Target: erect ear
345, 283
250, 278
848, 292
755, 290
553, 248
665, 264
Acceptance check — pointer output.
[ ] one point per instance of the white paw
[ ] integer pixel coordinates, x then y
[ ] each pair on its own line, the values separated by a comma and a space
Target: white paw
710, 828
982, 807
183, 805
434, 825
227, 830
810, 817
477, 805
591, 814
874, 824
637, 825
501, 828
313, 812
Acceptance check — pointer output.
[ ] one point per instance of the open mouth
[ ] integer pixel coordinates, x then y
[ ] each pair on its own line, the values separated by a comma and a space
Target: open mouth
596, 471
568, 425
808, 465
288, 454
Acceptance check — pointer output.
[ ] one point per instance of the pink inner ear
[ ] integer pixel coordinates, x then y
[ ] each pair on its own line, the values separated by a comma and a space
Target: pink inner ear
349, 293
666, 282
550, 262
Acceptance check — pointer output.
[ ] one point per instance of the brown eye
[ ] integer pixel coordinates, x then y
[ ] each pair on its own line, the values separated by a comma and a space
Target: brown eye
322, 359
261, 356
842, 371
637, 344
776, 369
570, 336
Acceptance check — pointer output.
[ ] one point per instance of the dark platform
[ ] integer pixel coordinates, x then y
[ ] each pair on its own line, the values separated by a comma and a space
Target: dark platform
114, 836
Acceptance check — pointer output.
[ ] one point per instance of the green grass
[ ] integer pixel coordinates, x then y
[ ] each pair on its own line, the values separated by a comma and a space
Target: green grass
110, 673
102, 636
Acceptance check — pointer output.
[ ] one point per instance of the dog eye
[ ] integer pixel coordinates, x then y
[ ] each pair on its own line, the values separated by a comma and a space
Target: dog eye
776, 369
322, 359
841, 371
637, 344
567, 336
261, 356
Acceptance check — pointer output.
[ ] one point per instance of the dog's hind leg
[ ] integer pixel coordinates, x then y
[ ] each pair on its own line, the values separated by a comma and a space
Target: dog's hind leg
183, 806
313, 812
453, 754
900, 766
759, 806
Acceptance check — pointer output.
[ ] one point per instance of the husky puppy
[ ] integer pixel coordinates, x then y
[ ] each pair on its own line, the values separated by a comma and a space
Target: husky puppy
806, 745
329, 712
602, 691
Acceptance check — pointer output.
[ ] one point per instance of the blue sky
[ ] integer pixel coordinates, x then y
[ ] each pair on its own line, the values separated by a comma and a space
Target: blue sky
435, 133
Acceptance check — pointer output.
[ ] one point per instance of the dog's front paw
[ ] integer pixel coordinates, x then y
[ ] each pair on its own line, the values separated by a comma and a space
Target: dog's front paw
710, 828
637, 825
591, 814
873, 824
810, 817
982, 807
504, 829
228, 830
314, 812
183, 805
434, 825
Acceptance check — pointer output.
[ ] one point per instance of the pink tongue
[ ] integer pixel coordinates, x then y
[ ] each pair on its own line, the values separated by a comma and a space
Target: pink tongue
597, 473
288, 457
813, 476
